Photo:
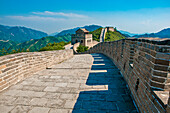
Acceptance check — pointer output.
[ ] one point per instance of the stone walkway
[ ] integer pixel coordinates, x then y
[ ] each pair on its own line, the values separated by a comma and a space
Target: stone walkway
83, 84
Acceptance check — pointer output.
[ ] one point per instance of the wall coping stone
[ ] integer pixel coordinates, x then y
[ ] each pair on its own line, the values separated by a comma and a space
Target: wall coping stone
163, 96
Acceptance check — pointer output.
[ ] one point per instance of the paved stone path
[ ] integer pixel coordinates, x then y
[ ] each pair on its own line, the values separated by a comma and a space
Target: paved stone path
83, 84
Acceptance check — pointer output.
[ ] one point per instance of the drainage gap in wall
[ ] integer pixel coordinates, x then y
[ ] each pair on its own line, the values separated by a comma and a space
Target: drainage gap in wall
124, 66
48, 68
137, 84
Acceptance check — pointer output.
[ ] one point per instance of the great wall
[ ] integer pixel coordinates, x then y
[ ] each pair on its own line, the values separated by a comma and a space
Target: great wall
58, 81
145, 65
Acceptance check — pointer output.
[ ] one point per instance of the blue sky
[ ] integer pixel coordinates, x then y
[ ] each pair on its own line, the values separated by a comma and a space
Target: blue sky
55, 15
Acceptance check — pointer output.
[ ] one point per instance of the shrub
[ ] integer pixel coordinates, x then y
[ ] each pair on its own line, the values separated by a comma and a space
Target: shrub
54, 46
82, 48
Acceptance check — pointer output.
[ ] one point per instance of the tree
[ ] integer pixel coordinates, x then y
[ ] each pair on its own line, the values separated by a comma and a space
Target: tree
54, 46
4, 51
82, 48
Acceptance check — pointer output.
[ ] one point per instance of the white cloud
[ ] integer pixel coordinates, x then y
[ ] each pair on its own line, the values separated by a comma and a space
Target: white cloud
49, 13
36, 18
49, 16
136, 21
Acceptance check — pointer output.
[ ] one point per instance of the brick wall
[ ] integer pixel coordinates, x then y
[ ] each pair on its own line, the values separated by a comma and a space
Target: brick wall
145, 65
16, 67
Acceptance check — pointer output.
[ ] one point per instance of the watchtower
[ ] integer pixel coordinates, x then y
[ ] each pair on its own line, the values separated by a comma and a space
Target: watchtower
82, 35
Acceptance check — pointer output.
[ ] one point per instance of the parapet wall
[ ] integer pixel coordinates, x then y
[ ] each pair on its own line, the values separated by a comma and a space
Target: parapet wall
145, 65
16, 67
75, 47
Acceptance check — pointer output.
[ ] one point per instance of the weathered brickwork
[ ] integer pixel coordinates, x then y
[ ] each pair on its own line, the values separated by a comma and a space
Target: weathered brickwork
145, 65
16, 67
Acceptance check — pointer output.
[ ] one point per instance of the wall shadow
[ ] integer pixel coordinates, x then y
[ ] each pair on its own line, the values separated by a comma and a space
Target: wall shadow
111, 93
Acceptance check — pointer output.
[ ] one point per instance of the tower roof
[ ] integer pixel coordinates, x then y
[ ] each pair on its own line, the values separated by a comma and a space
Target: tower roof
84, 30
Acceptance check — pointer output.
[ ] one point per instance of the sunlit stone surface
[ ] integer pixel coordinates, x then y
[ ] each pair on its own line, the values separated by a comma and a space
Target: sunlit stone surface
83, 84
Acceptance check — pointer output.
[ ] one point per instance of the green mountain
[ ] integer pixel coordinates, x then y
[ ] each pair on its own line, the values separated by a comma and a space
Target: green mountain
72, 31
127, 34
165, 33
7, 44
32, 45
54, 46
19, 34
53, 34
36, 44
110, 36
113, 36
96, 34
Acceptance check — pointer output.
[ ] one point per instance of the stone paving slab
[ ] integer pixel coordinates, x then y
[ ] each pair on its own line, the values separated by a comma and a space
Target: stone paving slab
82, 84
